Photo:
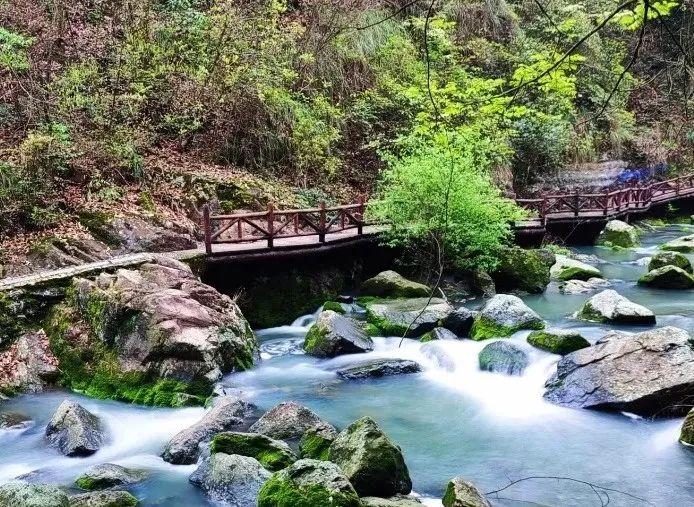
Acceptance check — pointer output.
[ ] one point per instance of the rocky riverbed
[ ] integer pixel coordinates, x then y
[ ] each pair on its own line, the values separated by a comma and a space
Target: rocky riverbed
588, 379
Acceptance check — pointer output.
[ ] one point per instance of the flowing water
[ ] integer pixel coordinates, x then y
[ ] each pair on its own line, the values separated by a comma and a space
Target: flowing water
450, 419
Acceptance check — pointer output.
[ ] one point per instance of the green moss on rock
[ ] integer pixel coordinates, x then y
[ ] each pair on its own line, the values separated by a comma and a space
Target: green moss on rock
483, 329
523, 269
272, 454
557, 342
314, 444
334, 306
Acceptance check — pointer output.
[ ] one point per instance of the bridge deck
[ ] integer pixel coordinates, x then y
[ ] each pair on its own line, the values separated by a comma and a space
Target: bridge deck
221, 250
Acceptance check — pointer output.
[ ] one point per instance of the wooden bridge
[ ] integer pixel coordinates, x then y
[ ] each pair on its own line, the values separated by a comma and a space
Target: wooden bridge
314, 225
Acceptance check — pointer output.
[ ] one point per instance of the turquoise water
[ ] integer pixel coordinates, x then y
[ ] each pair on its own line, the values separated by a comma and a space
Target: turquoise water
450, 419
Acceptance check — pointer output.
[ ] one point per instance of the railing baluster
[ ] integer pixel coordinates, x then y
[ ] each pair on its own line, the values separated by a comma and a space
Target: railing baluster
360, 211
321, 223
207, 228
270, 225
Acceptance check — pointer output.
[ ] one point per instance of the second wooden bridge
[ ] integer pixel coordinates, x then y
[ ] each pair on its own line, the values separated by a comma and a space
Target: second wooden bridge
349, 220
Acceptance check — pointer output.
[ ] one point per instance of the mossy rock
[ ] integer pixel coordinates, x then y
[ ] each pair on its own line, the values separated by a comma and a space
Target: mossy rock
668, 277
393, 285
557, 341
112, 498
272, 454
565, 269
619, 234
483, 328
334, 334
410, 316
667, 258
687, 431
523, 269
335, 307
314, 444
308, 483
684, 244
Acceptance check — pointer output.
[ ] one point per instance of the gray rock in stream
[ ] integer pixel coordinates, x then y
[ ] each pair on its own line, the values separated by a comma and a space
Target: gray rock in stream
649, 373
109, 475
412, 317
459, 321
503, 357
74, 430
112, 498
232, 479
334, 334
23, 494
503, 315
611, 307
227, 413
379, 368
393, 501
289, 421
462, 493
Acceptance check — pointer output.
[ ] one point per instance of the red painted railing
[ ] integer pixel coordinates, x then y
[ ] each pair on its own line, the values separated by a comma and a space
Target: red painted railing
276, 224
609, 203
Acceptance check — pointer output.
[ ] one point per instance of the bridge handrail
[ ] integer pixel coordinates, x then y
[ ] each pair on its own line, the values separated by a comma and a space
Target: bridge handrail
290, 223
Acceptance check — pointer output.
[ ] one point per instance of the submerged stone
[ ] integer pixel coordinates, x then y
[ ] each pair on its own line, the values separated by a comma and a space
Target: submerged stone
393, 285
611, 307
272, 454
557, 341
334, 334
668, 277
583, 286
307, 483
372, 462
650, 373
379, 368
74, 431
502, 316
503, 357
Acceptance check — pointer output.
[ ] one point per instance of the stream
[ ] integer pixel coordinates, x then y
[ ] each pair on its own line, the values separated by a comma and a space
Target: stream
450, 419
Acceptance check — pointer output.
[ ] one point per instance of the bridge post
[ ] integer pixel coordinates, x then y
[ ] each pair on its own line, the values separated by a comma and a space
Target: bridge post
576, 203
270, 225
207, 228
321, 223
360, 211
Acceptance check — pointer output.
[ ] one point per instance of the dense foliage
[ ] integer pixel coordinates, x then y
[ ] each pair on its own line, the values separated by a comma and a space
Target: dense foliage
324, 95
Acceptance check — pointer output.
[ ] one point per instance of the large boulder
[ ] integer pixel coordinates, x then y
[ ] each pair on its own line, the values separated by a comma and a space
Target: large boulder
230, 479
609, 306
372, 462
566, 268
503, 315
438, 333
155, 335
557, 341
111, 498
459, 321
272, 454
685, 244
462, 493
24, 494
28, 365
378, 368
687, 430
334, 334
109, 475
227, 413
523, 269
583, 286
393, 285
74, 431
307, 483
649, 373
668, 277
619, 234
412, 317
667, 258
503, 357
289, 421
